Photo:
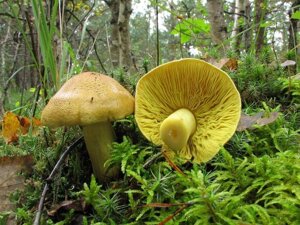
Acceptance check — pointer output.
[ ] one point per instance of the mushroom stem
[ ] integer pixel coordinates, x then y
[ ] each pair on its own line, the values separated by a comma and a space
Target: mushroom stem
98, 138
177, 128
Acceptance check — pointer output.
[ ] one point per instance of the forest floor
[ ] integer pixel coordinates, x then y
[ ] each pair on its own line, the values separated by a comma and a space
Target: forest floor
254, 179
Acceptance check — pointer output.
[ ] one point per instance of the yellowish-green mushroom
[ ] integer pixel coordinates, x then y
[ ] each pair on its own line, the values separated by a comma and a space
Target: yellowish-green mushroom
189, 107
177, 128
93, 101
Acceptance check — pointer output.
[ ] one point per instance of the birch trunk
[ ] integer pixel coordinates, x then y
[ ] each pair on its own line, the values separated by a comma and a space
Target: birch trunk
248, 32
120, 36
238, 25
293, 30
4, 65
217, 21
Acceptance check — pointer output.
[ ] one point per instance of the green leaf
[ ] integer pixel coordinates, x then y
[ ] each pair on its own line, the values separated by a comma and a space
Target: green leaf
296, 15
266, 24
188, 27
184, 38
32, 90
199, 25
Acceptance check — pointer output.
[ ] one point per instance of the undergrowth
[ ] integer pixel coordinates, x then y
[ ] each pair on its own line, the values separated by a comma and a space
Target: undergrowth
254, 179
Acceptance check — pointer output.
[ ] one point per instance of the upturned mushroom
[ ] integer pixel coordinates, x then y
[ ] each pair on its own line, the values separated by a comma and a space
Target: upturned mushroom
189, 107
91, 100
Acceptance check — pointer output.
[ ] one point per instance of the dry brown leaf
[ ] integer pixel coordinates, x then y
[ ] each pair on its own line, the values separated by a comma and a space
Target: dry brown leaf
288, 63
247, 122
26, 123
267, 120
13, 126
10, 178
225, 63
10, 127
231, 64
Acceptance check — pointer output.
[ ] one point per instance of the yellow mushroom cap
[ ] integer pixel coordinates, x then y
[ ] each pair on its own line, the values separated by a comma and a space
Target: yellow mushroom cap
88, 98
198, 86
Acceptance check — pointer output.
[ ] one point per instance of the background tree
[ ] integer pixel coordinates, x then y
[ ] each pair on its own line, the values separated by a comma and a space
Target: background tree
293, 33
260, 15
238, 24
215, 10
120, 34
95, 35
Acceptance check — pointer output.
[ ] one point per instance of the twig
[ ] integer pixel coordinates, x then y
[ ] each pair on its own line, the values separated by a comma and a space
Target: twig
167, 219
167, 205
50, 177
11, 16
41, 204
235, 13
36, 99
93, 38
171, 163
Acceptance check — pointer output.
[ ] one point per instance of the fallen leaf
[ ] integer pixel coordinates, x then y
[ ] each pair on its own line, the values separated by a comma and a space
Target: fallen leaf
10, 127
26, 123
288, 63
13, 126
231, 64
267, 120
10, 178
228, 63
225, 63
247, 122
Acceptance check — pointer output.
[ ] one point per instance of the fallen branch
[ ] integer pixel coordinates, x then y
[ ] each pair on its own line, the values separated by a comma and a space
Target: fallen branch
50, 177
166, 205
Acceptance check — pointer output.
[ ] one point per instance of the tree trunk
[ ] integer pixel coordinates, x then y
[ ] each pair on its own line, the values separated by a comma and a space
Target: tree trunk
260, 9
217, 21
120, 35
239, 25
293, 30
248, 32
4, 65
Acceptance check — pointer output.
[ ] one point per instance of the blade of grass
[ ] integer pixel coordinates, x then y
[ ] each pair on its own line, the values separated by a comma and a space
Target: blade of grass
45, 36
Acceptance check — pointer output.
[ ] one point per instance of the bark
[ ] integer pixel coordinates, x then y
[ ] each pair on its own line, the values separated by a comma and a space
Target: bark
28, 76
172, 40
293, 30
260, 9
33, 79
120, 35
157, 34
239, 24
4, 68
217, 21
248, 32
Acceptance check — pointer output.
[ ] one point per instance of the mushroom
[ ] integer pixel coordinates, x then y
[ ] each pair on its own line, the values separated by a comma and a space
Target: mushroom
91, 100
188, 106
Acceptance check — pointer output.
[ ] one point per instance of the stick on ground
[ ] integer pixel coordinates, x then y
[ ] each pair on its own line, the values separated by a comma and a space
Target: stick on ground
50, 177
